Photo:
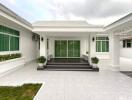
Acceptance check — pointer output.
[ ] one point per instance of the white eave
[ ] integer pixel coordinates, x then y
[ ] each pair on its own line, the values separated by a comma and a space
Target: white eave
65, 26
119, 22
8, 14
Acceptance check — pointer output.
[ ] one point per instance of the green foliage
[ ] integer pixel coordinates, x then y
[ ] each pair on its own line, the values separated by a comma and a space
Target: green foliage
24, 92
95, 60
41, 59
9, 56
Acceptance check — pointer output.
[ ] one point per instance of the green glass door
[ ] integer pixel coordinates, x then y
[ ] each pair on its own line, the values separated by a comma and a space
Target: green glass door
73, 48
60, 48
76, 49
57, 48
70, 48
63, 49
67, 48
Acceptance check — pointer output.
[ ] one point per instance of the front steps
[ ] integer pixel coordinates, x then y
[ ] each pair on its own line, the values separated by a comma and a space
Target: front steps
68, 65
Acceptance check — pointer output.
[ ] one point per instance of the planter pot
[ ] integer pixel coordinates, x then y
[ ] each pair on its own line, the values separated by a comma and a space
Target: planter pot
40, 65
95, 65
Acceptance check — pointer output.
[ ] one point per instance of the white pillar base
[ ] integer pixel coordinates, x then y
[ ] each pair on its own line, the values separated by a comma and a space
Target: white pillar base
115, 67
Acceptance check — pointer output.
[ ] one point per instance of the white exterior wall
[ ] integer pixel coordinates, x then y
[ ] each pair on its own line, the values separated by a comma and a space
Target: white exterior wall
43, 46
125, 52
104, 58
125, 59
28, 48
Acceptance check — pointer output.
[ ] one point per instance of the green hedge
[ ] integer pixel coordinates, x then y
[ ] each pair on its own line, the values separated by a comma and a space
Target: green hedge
9, 56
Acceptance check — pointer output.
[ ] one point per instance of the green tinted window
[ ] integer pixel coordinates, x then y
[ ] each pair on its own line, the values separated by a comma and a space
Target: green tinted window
9, 40
7, 30
102, 44
4, 42
14, 43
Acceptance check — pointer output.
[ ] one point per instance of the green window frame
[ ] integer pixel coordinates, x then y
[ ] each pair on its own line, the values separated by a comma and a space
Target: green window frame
9, 39
102, 44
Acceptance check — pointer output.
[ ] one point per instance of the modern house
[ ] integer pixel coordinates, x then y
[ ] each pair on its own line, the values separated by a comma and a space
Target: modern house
63, 39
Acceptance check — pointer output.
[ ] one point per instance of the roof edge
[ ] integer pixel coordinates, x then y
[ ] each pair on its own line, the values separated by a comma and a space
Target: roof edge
12, 14
119, 20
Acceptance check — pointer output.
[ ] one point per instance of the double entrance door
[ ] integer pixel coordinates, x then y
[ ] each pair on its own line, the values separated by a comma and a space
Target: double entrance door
67, 48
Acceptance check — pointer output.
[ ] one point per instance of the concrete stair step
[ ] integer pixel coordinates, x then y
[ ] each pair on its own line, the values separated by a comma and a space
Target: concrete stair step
86, 66
67, 63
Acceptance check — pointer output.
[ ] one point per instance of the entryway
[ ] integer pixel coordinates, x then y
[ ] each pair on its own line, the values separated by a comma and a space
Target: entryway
67, 48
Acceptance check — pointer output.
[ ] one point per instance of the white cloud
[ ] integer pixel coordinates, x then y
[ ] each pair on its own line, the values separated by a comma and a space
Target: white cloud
11, 2
94, 11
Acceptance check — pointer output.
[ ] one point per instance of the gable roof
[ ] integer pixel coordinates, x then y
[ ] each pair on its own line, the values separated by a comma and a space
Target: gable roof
64, 23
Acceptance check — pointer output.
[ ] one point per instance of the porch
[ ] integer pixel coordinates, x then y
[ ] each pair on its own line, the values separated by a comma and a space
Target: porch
73, 39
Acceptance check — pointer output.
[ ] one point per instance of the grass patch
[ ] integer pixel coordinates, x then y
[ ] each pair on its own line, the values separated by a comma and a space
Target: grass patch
24, 92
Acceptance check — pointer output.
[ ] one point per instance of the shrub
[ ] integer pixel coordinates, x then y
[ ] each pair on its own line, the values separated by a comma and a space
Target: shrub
95, 60
41, 59
10, 56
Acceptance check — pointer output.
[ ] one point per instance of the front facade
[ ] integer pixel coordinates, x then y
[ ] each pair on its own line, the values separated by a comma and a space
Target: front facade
64, 39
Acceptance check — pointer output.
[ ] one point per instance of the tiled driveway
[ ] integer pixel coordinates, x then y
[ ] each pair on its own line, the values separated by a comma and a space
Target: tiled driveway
73, 85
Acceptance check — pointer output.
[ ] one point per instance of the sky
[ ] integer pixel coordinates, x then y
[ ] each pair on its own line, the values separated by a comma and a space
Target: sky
98, 12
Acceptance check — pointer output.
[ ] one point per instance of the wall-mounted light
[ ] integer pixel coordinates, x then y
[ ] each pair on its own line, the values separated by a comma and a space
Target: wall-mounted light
42, 38
93, 39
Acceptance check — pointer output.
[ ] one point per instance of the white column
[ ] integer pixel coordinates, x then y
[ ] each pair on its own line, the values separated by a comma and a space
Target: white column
92, 46
114, 51
43, 46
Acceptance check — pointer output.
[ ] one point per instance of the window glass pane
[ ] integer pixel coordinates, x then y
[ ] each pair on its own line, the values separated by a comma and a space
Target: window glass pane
107, 46
1, 28
14, 43
128, 44
4, 42
70, 48
103, 46
63, 50
1, 42
98, 46
57, 48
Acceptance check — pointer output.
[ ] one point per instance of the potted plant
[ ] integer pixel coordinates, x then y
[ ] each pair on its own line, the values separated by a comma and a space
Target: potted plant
41, 60
95, 61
